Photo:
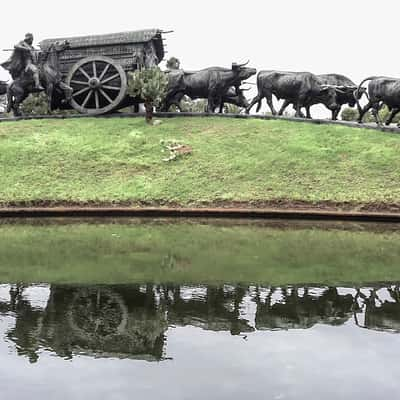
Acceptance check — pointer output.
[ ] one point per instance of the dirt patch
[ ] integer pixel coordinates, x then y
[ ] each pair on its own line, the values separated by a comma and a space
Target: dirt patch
279, 204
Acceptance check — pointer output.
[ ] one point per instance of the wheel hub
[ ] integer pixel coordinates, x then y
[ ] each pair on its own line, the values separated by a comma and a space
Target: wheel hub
94, 83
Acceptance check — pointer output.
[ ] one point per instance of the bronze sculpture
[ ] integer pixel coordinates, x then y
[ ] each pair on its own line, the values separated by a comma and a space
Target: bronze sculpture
23, 61
49, 76
211, 83
381, 91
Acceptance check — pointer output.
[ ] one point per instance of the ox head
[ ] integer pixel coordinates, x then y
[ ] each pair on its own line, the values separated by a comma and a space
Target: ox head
241, 98
328, 96
242, 71
237, 97
346, 94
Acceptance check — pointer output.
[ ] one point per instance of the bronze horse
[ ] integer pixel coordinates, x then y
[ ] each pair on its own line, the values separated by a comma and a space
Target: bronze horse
50, 78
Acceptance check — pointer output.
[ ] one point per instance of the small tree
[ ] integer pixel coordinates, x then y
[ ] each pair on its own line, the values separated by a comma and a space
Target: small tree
151, 86
349, 114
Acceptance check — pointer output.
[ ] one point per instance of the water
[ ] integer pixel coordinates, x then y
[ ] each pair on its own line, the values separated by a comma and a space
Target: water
167, 332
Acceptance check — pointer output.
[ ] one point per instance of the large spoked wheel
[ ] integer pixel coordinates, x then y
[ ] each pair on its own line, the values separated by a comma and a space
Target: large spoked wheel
99, 85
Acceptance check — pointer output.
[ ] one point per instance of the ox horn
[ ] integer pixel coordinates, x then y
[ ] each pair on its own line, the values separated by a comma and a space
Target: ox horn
245, 90
243, 65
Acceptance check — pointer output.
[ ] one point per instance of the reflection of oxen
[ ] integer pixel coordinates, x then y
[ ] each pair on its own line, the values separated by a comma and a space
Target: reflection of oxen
210, 83
217, 310
303, 89
299, 312
381, 315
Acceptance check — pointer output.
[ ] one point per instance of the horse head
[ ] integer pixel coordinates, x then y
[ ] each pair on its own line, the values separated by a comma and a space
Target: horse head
59, 46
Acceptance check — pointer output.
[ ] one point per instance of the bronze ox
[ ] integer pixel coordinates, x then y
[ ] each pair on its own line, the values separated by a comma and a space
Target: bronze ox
212, 84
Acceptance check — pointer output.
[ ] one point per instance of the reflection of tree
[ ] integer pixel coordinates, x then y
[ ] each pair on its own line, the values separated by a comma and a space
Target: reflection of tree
297, 311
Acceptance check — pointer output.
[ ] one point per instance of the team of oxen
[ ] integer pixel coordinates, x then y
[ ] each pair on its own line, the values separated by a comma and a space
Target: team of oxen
300, 89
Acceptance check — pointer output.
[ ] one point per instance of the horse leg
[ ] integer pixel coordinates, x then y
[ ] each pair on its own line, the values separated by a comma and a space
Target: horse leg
49, 93
67, 92
10, 100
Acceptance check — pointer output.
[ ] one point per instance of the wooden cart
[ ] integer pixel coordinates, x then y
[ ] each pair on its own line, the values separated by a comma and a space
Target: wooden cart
96, 67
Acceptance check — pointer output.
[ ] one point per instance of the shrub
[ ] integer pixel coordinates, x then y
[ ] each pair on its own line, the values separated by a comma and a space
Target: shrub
151, 86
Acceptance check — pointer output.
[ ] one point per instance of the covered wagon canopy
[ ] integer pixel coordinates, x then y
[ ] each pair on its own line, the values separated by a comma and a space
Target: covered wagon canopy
113, 39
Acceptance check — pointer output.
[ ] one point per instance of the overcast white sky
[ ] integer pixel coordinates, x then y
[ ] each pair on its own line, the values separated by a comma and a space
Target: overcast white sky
355, 38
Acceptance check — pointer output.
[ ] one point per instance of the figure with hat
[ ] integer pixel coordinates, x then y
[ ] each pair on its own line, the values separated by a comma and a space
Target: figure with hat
24, 60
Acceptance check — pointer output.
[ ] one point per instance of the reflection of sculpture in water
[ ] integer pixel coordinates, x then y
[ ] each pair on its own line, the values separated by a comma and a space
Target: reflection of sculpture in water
217, 310
297, 311
380, 314
130, 321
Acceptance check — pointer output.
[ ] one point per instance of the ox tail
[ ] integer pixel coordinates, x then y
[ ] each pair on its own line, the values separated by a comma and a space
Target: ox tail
357, 93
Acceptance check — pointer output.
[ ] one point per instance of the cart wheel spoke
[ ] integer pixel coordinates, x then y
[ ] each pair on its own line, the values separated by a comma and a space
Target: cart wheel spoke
106, 96
94, 69
87, 98
81, 92
104, 72
96, 96
110, 78
111, 87
84, 73
79, 83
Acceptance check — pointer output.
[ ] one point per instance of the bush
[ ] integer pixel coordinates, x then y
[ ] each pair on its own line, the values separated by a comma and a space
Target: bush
35, 104
349, 114
149, 85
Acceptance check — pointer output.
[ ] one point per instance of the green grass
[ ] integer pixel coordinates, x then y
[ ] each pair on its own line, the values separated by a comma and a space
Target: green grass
195, 253
120, 160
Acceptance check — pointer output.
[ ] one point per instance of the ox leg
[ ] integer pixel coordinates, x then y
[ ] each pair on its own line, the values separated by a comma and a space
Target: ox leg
375, 113
308, 112
285, 105
299, 114
256, 99
392, 115
364, 111
335, 113
271, 105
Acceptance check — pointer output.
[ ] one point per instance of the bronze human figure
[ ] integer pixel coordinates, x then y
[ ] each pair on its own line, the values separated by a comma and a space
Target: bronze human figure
24, 60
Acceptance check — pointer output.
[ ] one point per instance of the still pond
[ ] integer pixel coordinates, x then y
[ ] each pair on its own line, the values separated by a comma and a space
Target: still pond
199, 310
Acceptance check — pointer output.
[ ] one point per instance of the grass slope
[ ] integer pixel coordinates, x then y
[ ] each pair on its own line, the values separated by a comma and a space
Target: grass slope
120, 160
195, 253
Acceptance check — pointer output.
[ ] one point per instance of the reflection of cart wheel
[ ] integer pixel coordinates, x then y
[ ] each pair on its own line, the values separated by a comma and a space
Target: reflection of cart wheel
99, 85
97, 312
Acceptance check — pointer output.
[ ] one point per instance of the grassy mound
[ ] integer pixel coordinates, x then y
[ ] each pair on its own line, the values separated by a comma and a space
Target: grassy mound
121, 161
